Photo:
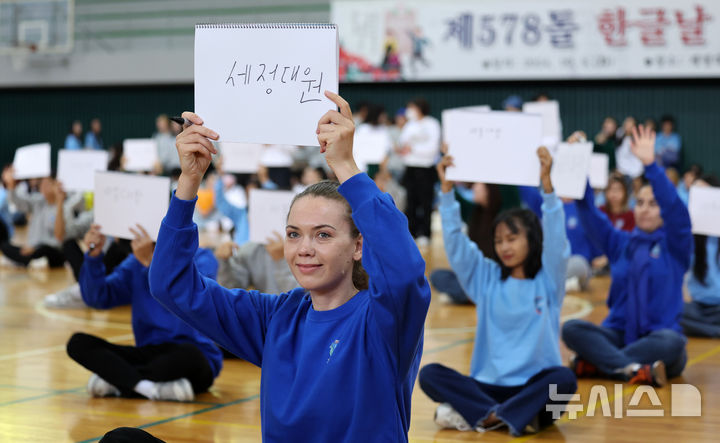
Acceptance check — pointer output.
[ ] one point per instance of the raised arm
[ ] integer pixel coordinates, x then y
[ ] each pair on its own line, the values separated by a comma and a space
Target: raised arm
473, 269
556, 247
400, 294
598, 228
98, 290
673, 211
236, 319
22, 200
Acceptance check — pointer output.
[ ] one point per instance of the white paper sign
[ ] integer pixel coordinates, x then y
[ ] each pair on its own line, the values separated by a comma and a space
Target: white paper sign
265, 83
704, 207
552, 127
599, 165
370, 147
494, 147
241, 158
446, 112
140, 154
267, 213
76, 169
571, 165
32, 161
123, 200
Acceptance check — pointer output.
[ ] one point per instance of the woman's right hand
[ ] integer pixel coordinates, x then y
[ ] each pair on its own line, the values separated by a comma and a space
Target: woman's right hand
195, 152
445, 185
94, 241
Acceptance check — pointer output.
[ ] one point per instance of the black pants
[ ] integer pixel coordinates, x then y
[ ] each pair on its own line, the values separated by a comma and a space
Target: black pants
420, 186
124, 366
129, 435
55, 257
116, 253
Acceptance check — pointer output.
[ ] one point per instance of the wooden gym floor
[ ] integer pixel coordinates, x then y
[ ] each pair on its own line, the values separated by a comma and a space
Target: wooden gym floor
43, 398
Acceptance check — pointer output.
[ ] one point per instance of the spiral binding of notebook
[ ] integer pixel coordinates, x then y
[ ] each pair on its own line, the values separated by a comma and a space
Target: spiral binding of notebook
266, 26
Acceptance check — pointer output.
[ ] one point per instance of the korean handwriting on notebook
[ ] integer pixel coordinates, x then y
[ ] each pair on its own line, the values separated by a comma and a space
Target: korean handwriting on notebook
269, 76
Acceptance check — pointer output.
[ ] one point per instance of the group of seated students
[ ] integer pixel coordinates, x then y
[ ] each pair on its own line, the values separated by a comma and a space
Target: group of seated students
345, 297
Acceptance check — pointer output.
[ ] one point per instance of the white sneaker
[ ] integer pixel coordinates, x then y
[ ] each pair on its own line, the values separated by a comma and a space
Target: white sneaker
572, 284
448, 418
176, 390
7, 263
68, 298
39, 263
422, 241
97, 387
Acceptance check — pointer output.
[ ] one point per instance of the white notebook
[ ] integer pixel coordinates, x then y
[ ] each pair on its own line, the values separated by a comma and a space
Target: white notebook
265, 83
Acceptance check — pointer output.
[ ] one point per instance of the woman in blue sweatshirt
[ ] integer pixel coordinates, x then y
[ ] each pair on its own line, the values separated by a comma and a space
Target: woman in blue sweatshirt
701, 316
518, 294
339, 355
170, 360
641, 339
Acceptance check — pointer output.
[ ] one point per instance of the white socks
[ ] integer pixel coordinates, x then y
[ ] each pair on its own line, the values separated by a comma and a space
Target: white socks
146, 388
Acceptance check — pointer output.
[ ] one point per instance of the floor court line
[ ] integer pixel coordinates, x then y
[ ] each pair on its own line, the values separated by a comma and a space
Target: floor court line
54, 315
42, 396
41, 351
189, 414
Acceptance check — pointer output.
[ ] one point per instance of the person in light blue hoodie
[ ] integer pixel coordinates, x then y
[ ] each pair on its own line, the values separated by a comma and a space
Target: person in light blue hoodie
701, 316
518, 294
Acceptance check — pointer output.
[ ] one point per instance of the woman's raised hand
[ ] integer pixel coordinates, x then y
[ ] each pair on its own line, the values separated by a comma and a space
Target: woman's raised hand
335, 132
195, 152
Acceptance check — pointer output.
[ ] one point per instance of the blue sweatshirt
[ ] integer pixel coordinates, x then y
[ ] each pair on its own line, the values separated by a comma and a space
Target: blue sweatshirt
709, 291
669, 258
517, 320
152, 323
341, 375
580, 244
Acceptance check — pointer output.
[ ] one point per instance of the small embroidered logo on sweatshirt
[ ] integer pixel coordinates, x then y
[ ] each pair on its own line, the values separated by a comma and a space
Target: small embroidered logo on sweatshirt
655, 251
538, 304
333, 345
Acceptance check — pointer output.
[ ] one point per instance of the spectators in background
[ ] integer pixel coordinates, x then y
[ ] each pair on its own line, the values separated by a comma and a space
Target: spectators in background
606, 140
668, 143
512, 103
93, 139
693, 173
420, 149
616, 206
167, 154
73, 140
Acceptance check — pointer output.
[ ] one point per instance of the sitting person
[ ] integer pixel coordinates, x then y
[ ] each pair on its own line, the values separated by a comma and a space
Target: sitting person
170, 360
262, 267
512, 367
41, 242
701, 316
641, 339
71, 225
